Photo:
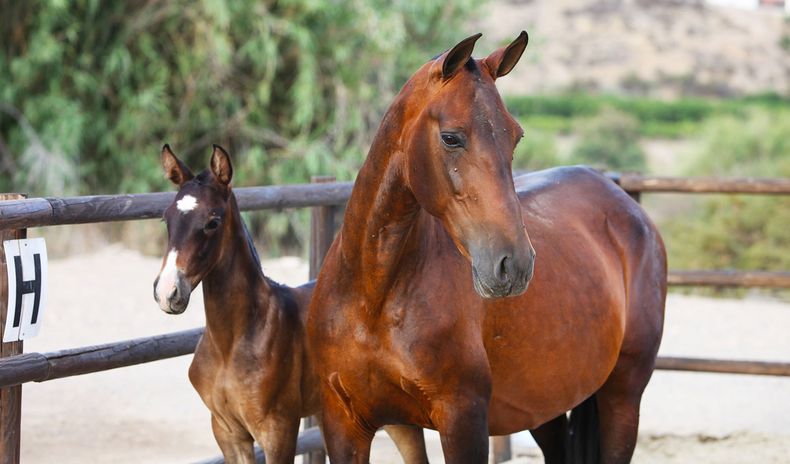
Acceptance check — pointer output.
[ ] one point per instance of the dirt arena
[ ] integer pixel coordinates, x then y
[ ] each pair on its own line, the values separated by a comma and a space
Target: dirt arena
150, 414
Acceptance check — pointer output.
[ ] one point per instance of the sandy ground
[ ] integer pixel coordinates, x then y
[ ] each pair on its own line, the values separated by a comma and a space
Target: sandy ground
150, 414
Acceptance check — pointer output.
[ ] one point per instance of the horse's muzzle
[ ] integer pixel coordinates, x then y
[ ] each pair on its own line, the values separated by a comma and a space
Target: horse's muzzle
173, 297
506, 275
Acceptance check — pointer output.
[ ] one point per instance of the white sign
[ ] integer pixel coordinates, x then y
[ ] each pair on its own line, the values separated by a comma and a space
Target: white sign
26, 261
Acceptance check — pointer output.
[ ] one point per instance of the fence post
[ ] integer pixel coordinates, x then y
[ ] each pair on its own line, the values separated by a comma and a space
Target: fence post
501, 449
10, 397
322, 232
635, 194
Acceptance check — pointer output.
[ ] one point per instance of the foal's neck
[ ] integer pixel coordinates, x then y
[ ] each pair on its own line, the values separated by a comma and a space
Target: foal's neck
380, 215
236, 294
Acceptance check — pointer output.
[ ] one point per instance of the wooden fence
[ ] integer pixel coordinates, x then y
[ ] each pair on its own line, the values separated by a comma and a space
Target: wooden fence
18, 213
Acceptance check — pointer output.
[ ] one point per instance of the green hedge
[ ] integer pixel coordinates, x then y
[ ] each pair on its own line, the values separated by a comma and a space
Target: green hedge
658, 118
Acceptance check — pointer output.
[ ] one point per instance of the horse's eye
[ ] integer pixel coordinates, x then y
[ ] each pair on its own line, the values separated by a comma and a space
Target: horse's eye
211, 225
451, 140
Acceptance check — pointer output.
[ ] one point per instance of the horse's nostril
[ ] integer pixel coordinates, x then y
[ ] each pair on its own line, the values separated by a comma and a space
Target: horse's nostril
172, 296
501, 271
156, 295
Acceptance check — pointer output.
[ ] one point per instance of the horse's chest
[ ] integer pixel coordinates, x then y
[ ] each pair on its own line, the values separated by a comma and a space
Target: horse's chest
236, 396
394, 369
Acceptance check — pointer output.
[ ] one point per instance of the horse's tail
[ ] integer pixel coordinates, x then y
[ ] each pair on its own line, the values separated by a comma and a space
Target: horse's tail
582, 442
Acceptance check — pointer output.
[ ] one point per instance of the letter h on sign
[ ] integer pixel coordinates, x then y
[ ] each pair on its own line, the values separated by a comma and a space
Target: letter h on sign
26, 262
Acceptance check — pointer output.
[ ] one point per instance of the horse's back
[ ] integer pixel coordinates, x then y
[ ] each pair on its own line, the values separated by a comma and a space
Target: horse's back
571, 186
580, 197
577, 196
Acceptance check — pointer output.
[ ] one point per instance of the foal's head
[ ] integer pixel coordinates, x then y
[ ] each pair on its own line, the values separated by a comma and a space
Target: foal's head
459, 140
197, 222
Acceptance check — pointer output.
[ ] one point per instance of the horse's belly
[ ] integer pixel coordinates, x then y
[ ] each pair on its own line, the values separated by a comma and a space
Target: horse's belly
547, 358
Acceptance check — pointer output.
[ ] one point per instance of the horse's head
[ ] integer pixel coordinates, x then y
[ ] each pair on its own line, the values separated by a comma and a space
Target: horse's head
459, 139
196, 224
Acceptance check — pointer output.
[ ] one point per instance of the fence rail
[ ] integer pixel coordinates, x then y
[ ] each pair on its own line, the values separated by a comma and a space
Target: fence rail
730, 278
744, 185
723, 366
38, 212
40, 367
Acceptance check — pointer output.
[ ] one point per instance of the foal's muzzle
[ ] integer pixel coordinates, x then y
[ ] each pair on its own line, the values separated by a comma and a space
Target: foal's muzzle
173, 296
497, 275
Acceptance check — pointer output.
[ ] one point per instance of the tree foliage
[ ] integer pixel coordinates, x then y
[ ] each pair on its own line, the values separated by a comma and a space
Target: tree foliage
92, 89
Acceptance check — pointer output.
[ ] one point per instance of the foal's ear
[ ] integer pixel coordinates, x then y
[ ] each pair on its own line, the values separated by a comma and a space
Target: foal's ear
503, 60
175, 169
458, 56
220, 166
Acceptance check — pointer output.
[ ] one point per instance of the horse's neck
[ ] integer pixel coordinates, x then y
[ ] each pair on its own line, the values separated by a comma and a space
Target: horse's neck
236, 295
380, 216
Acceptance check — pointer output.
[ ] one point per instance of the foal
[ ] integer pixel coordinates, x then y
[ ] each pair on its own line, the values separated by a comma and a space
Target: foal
250, 367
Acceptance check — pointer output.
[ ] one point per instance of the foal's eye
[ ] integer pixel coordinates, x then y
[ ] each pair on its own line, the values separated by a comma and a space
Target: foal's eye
451, 140
211, 225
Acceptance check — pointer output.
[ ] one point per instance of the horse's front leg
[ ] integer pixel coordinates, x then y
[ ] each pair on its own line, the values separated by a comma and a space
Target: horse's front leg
410, 442
277, 436
236, 445
462, 422
347, 440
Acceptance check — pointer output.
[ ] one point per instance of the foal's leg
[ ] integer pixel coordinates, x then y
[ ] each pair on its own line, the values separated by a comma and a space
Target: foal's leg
278, 439
236, 446
551, 439
410, 442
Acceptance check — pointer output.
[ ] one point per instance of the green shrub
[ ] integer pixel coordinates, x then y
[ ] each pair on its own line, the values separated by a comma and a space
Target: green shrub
537, 150
610, 141
737, 231
647, 110
657, 118
565, 106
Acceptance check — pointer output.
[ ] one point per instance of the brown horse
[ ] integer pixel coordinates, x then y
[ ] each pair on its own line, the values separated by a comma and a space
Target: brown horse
408, 323
250, 366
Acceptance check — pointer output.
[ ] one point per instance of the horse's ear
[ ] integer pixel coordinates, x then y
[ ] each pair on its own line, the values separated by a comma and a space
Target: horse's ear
458, 56
175, 169
503, 60
220, 166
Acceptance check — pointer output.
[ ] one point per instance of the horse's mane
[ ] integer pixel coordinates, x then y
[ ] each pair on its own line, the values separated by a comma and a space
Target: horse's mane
255, 256
251, 244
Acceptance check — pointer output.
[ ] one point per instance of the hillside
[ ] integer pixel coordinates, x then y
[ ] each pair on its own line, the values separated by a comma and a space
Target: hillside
662, 48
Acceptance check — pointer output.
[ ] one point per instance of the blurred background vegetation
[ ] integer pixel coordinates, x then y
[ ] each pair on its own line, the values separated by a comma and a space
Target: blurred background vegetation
91, 90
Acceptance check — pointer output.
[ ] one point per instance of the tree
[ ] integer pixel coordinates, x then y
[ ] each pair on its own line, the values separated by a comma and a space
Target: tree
291, 87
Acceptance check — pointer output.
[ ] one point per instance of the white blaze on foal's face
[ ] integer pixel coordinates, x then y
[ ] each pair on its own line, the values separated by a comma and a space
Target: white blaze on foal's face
167, 280
186, 204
